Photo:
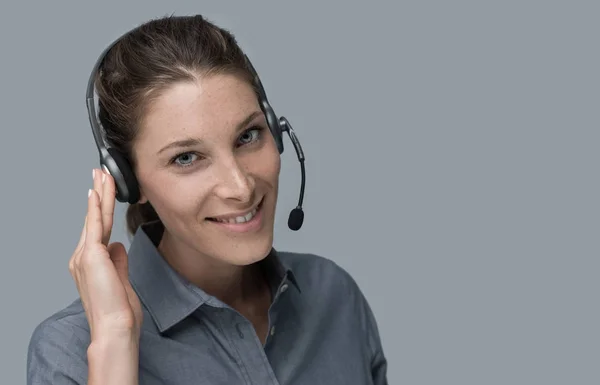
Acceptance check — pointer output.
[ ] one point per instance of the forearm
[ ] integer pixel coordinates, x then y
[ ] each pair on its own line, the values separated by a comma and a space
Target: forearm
113, 361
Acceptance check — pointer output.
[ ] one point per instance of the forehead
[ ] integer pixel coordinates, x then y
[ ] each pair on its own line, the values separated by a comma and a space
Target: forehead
209, 106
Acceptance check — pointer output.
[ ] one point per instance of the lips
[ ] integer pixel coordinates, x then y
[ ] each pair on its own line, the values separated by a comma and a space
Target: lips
241, 218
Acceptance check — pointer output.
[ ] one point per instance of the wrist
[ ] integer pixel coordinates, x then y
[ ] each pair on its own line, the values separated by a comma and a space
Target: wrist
114, 340
113, 360
109, 333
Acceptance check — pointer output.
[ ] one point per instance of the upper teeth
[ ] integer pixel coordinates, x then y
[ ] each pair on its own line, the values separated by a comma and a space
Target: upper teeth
240, 219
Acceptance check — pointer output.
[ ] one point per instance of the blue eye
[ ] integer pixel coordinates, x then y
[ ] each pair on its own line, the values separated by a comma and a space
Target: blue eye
251, 135
185, 159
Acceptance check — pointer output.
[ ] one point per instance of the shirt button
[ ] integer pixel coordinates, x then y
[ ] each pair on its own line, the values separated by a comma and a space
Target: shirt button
272, 330
284, 287
239, 330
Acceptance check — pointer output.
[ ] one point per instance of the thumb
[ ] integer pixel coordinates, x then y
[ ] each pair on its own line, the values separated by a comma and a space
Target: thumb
118, 255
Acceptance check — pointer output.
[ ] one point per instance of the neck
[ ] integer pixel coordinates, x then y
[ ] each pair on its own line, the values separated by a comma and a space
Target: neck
240, 287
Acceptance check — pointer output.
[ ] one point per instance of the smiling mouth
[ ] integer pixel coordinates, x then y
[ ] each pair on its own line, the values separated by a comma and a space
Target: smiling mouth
240, 219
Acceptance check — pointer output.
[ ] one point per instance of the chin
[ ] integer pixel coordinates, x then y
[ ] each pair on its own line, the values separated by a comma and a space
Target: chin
244, 243
247, 254
243, 252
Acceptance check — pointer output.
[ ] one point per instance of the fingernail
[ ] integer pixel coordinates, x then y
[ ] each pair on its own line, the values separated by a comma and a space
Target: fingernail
89, 192
103, 177
93, 173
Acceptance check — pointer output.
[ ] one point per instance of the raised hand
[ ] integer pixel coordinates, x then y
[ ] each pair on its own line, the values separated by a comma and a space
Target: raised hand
100, 269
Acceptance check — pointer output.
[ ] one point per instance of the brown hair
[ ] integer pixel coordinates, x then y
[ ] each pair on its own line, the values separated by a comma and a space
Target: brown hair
146, 61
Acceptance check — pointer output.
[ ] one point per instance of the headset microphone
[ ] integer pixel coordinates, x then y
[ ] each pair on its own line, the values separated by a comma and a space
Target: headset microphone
296, 217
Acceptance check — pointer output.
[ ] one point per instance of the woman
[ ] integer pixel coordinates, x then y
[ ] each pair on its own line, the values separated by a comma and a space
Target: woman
201, 297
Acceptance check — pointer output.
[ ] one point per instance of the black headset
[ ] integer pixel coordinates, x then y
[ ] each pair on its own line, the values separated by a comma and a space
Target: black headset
117, 165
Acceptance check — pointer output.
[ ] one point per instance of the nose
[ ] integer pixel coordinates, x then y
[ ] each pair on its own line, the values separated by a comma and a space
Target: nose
234, 182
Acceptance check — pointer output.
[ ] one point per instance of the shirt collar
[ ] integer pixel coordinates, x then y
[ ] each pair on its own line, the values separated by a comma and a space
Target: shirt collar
168, 296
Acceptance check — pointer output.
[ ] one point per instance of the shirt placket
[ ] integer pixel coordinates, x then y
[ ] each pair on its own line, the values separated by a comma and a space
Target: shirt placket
250, 354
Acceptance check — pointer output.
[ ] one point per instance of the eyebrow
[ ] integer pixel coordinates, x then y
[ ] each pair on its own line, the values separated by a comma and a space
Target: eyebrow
190, 142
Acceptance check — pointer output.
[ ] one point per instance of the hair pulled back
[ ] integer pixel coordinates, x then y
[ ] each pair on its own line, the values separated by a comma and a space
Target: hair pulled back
145, 62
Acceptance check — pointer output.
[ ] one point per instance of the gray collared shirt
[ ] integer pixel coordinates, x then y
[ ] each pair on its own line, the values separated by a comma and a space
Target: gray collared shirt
321, 329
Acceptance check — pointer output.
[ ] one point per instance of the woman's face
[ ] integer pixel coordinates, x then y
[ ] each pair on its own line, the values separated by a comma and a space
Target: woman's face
209, 166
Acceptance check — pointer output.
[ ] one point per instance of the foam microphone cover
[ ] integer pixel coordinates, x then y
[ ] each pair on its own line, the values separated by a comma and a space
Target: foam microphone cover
296, 219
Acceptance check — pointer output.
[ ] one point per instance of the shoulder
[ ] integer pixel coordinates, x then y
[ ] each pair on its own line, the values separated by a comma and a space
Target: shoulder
333, 296
57, 350
66, 326
317, 271
328, 285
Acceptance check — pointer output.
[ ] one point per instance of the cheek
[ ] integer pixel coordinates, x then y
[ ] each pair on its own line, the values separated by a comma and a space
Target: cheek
267, 166
170, 194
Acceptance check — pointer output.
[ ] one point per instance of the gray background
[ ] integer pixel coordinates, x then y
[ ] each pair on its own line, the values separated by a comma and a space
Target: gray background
452, 168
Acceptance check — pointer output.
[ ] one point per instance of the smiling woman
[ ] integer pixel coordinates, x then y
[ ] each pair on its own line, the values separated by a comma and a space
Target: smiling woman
215, 160
201, 296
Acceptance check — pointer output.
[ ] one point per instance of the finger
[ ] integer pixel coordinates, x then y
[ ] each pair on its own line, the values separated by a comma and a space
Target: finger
93, 233
107, 205
97, 178
76, 257
80, 242
118, 255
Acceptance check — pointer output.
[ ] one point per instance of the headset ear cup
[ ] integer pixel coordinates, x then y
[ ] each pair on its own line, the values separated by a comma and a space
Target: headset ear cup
273, 123
278, 140
127, 185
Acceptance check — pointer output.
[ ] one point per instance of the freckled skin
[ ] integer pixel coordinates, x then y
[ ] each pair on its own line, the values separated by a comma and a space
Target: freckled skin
231, 170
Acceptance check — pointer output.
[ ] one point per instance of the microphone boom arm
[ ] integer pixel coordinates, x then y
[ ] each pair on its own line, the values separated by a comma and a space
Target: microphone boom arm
297, 215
